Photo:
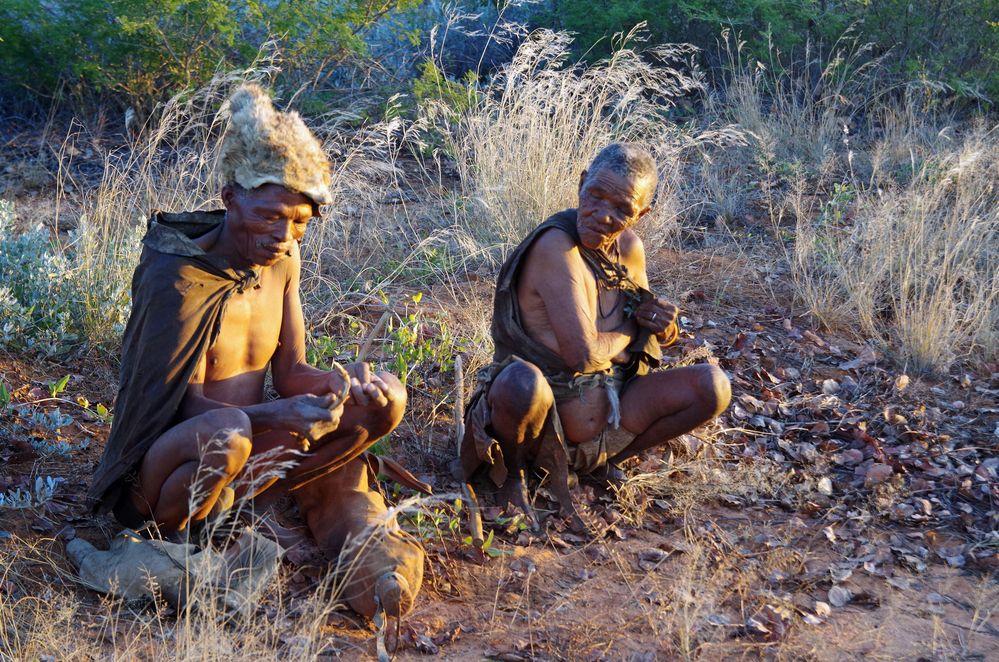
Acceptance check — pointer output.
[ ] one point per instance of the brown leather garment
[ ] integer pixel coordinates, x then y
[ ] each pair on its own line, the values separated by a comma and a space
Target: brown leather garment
380, 564
179, 295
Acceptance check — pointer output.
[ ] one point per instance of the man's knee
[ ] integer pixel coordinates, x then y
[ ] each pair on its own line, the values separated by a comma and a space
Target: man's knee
519, 390
228, 449
713, 389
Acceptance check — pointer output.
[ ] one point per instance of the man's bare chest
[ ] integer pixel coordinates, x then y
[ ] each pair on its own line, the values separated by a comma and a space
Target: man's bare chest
248, 338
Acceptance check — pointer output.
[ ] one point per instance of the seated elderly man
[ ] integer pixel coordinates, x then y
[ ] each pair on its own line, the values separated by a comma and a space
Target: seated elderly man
215, 305
576, 332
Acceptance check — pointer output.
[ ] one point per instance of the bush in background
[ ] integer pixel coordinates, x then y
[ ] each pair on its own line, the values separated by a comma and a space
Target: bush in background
143, 51
43, 299
953, 42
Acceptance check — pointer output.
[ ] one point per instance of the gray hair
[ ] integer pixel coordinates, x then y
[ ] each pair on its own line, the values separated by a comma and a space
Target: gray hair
628, 160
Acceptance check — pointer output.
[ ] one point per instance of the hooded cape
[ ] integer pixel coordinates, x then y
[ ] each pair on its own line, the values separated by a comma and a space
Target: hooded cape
510, 337
179, 295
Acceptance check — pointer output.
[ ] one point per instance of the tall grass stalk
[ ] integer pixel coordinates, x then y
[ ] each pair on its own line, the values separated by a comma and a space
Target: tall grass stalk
916, 266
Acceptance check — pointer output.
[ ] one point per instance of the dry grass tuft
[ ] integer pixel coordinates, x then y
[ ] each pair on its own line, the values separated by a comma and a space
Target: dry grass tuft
915, 265
520, 147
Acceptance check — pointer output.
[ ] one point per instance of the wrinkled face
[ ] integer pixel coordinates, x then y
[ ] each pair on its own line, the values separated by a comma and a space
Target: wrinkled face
263, 223
609, 204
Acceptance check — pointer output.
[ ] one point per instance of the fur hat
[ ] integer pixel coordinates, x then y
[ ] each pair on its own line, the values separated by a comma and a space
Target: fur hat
264, 146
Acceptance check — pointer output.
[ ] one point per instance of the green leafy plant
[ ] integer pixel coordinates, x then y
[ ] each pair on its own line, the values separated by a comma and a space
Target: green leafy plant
487, 546
148, 49
57, 387
322, 350
103, 413
438, 520
5, 397
38, 495
417, 344
45, 298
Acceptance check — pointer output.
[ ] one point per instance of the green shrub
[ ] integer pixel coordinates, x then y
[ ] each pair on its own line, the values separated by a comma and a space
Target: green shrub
149, 49
444, 94
954, 43
43, 304
697, 22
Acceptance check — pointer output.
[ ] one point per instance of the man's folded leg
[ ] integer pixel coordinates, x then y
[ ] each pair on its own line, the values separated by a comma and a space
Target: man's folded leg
183, 473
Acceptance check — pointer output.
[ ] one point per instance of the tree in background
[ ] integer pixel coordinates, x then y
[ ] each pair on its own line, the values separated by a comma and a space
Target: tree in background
145, 50
951, 41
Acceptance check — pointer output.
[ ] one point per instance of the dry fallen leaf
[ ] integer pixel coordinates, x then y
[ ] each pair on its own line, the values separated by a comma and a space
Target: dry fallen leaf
839, 596
866, 357
840, 574
814, 337
811, 619
901, 583
650, 558
877, 474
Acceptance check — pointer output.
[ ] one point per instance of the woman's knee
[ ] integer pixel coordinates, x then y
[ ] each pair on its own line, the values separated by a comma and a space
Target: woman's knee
519, 389
713, 389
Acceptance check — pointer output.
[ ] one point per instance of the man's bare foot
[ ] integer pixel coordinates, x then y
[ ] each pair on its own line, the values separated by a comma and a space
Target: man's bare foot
514, 494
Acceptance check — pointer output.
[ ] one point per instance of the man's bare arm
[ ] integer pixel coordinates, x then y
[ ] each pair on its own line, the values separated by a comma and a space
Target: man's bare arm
292, 373
306, 415
656, 314
559, 280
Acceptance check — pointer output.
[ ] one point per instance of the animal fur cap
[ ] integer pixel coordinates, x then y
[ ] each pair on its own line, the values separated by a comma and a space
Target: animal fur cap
264, 146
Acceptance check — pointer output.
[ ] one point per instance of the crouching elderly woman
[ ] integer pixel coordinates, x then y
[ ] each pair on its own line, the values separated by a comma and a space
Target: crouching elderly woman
576, 332
215, 306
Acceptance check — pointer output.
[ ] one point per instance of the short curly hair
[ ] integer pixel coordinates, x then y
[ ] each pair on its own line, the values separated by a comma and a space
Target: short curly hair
628, 160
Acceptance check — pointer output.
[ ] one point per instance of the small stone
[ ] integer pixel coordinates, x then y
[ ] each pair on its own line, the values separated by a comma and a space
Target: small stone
839, 596
807, 451
830, 387
877, 474
851, 456
825, 486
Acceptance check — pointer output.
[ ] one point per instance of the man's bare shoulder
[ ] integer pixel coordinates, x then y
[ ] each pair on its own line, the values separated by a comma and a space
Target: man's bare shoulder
631, 245
288, 271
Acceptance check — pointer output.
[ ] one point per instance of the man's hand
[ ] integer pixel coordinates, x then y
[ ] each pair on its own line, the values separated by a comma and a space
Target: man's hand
309, 416
365, 386
656, 315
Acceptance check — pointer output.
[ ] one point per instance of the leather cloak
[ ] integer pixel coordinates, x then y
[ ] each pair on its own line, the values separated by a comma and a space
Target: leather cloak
509, 335
179, 296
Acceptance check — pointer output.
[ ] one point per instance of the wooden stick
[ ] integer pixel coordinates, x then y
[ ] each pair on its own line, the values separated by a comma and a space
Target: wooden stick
474, 512
362, 354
